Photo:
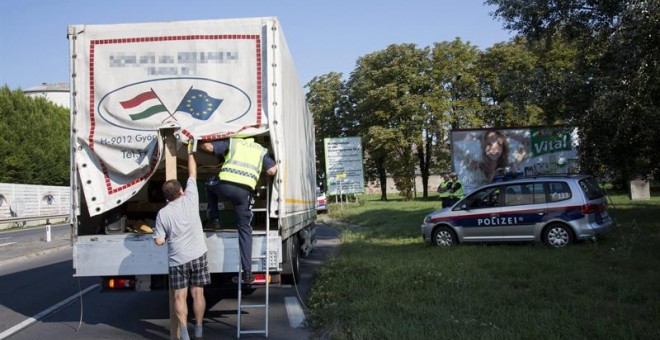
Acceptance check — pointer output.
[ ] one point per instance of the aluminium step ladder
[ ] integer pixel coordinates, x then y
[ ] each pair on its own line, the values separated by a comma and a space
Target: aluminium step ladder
266, 261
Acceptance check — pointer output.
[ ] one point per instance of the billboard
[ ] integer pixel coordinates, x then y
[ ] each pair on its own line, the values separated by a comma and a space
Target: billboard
343, 165
479, 155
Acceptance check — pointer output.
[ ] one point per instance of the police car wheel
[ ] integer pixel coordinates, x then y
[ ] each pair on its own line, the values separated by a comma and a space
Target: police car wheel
444, 237
558, 235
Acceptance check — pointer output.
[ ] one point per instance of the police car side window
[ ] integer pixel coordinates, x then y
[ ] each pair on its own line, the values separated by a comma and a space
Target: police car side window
538, 192
522, 194
559, 191
512, 195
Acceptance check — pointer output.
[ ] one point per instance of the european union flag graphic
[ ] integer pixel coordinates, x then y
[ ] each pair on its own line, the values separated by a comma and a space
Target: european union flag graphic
199, 104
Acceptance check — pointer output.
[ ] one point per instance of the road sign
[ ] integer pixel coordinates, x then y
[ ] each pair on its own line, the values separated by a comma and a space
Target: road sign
344, 165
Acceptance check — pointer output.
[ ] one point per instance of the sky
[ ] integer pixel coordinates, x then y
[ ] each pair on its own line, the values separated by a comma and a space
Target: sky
323, 36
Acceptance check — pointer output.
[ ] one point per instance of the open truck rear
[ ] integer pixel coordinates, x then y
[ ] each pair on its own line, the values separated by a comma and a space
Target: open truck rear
134, 84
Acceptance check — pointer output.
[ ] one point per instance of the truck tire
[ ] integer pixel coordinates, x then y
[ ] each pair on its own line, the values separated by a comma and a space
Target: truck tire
291, 267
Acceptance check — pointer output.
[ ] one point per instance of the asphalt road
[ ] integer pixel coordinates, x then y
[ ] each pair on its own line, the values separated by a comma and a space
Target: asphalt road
19, 244
42, 300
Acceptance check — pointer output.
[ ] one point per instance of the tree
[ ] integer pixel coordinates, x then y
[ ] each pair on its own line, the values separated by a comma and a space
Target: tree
455, 100
611, 93
507, 76
328, 103
456, 86
34, 143
388, 89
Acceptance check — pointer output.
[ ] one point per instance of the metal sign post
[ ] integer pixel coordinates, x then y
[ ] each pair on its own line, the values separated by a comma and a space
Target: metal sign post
340, 180
170, 173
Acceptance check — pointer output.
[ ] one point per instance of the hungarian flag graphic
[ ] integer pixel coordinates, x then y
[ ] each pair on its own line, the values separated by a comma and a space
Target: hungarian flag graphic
199, 104
144, 105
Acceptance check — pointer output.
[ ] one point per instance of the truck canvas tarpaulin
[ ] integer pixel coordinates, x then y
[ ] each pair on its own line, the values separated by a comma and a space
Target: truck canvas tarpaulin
210, 79
133, 84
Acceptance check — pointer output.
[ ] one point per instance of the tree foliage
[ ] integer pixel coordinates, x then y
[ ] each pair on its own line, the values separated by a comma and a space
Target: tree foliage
404, 101
610, 91
592, 64
388, 90
454, 75
327, 101
507, 75
34, 143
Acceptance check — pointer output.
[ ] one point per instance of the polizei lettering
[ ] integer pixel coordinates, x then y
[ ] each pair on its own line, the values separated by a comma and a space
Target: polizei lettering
499, 220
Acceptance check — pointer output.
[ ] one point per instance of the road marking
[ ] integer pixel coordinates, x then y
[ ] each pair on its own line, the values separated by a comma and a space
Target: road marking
294, 312
45, 313
6, 244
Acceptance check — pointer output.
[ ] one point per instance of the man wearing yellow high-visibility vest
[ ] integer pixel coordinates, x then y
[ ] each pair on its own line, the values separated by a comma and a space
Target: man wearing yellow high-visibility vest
236, 182
443, 190
456, 191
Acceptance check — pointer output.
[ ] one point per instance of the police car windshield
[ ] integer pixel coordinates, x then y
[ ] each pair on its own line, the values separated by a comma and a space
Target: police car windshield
484, 198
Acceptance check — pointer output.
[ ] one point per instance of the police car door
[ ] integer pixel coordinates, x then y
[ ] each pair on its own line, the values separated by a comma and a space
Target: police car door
523, 210
477, 215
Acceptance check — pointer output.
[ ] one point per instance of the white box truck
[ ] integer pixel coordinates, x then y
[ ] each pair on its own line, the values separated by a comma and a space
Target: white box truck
133, 84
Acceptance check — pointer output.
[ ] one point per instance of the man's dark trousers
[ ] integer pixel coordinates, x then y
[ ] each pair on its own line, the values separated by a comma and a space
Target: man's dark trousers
240, 197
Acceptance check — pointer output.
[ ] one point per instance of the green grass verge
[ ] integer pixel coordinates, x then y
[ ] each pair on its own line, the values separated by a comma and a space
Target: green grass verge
386, 283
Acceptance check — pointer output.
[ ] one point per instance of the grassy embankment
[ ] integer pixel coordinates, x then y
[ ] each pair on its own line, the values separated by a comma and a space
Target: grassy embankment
385, 283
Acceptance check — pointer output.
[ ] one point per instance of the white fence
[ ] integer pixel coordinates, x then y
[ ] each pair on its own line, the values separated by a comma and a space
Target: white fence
23, 203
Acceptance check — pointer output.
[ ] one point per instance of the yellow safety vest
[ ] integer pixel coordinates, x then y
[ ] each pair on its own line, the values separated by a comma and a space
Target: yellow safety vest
243, 162
458, 193
446, 186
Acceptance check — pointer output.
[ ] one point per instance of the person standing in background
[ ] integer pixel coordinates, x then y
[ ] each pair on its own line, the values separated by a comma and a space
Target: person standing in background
443, 189
456, 191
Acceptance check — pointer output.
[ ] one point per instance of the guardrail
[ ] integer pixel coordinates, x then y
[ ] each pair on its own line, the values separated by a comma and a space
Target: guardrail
32, 218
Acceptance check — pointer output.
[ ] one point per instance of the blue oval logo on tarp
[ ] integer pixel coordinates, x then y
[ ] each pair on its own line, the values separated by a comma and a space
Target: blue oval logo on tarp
144, 106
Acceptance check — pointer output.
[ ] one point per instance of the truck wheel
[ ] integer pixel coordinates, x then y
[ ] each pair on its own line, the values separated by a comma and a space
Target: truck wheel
558, 235
291, 270
444, 237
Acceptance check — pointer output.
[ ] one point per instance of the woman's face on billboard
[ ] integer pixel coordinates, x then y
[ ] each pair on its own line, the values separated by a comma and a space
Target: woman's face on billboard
493, 148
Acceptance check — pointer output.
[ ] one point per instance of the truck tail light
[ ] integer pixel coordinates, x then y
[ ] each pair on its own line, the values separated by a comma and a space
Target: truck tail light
120, 283
260, 278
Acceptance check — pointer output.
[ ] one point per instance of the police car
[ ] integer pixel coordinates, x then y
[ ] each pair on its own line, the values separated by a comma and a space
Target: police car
321, 201
557, 210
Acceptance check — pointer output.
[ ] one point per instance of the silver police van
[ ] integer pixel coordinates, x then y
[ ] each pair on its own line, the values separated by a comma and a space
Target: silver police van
557, 210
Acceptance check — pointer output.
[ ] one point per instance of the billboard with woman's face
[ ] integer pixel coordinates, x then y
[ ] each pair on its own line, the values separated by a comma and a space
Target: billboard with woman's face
483, 155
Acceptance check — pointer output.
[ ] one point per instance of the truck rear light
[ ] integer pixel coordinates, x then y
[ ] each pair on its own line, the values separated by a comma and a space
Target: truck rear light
121, 283
260, 278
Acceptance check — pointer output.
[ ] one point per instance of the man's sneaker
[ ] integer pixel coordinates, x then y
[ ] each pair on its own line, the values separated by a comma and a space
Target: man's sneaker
199, 332
248, 277
212, 224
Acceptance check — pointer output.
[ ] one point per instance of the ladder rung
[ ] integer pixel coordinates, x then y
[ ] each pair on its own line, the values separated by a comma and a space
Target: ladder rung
261, 257
253, 306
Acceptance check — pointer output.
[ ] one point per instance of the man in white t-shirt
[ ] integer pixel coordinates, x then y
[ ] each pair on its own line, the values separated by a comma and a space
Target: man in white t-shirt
178, 224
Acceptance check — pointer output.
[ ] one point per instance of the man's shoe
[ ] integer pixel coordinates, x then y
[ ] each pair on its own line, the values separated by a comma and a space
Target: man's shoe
199, 332
212, 224
247, 277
